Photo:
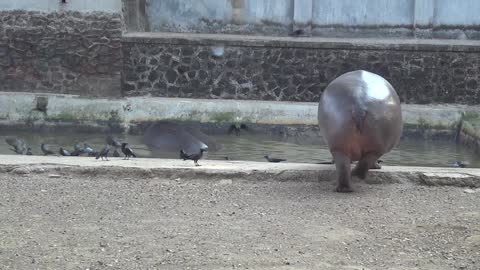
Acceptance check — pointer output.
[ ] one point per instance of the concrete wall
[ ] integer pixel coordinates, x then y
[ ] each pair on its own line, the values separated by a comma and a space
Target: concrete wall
292, 69
72, 48
456, 19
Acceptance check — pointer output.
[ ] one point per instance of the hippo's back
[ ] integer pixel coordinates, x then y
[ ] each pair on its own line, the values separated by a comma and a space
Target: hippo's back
360, 112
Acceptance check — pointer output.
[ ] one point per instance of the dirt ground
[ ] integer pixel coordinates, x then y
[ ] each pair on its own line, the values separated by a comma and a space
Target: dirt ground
86, 222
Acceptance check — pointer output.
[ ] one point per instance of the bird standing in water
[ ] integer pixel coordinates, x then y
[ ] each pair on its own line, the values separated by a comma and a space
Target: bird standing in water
103, 153
195, 157
275, 160
127, 151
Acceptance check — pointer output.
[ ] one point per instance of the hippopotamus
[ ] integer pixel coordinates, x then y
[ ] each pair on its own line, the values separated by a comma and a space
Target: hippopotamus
169, 137
360, 119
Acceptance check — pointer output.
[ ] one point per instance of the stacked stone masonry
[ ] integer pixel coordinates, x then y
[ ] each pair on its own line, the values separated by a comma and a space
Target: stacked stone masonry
289, 73
66, 52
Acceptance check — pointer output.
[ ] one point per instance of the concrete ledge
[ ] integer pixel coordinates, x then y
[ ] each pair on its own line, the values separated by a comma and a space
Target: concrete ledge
17, 109
239, 170
438, 45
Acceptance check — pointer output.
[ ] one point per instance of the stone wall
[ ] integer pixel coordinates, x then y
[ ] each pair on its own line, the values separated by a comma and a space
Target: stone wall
61, 52
289, 69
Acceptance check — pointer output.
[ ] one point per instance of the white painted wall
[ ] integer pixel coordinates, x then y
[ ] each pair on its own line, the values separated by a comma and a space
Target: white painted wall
363, 12
188, 13
55, 5
319, 12
457, 12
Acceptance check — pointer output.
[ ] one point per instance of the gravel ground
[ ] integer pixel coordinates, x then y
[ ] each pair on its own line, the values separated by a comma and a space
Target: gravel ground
87, 222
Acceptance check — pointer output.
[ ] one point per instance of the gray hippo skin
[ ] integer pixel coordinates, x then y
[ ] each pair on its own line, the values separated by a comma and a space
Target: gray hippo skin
166, 136
360, 119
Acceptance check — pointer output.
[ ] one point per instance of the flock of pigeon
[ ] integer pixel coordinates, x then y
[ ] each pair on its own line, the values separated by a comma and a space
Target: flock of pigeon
22, 148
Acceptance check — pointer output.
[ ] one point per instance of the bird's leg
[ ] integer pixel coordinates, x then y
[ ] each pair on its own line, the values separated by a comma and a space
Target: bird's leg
196, 163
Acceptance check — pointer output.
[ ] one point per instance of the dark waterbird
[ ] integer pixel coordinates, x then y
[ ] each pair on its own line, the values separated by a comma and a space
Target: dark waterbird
195, 157
276, 160
64, 152
237, 128
103, 153
46, 149
127, 151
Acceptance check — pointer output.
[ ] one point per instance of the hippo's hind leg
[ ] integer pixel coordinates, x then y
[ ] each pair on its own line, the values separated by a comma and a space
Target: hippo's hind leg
342, 164
368, 161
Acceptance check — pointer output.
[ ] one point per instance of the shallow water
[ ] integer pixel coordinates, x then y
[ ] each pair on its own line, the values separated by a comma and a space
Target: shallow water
254, 147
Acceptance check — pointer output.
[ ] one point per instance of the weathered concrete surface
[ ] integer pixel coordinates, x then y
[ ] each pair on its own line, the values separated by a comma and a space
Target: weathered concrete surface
109, 218
148, 167
21, 109
295, 69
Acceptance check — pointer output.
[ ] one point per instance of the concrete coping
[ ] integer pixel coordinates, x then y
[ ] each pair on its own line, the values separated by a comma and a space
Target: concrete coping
19, 108
438, 45
140, 168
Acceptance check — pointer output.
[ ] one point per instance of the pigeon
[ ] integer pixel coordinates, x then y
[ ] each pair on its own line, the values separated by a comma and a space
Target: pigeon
64, 152
87, 149
77, 147
29, 151
46, 149
127, 151
276, 160
76, 152
103, 153
195, 157
19, 145
461, 164
15, 142
20, 149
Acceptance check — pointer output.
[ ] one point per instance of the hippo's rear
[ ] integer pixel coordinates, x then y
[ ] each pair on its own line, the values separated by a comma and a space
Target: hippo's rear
360, 118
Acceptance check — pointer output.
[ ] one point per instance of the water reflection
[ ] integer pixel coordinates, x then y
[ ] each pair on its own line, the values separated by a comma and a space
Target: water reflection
254, 147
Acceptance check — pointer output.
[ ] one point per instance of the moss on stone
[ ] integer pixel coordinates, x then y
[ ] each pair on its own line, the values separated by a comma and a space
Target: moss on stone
471, 117
221, 117
114, 117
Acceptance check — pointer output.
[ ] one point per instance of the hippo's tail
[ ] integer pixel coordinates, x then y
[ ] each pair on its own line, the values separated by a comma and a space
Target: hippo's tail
358, 116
